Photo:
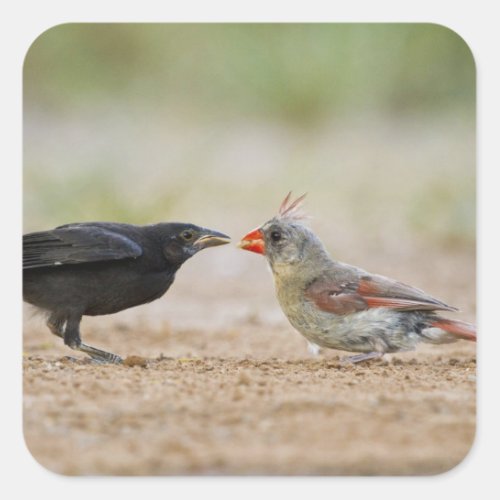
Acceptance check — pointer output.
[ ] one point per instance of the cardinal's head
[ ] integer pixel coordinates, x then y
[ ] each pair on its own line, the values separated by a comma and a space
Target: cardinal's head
284, 240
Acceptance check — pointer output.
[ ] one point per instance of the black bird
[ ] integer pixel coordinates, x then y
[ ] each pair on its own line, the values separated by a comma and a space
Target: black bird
96, 268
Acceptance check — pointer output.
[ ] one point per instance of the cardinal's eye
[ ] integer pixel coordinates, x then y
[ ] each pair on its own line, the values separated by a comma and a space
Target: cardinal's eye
276, 236
187, 235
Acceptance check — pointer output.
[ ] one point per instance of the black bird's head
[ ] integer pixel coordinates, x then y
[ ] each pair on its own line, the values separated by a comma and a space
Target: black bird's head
181, 241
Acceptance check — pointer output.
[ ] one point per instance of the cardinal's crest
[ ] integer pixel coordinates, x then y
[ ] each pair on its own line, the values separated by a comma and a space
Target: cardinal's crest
291, 209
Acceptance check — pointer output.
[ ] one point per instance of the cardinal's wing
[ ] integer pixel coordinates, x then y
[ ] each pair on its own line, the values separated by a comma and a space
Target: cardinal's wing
350, 290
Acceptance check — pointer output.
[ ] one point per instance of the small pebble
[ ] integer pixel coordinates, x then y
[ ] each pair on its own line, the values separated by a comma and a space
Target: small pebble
244, 378
135, 361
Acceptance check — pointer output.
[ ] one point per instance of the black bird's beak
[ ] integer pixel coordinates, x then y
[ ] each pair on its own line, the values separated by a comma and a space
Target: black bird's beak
212, 239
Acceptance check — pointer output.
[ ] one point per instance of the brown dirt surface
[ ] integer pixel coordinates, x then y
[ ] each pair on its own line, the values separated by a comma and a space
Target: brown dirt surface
220, 383
251, 416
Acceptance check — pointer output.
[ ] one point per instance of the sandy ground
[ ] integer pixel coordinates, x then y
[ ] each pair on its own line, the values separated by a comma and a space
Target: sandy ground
217, 382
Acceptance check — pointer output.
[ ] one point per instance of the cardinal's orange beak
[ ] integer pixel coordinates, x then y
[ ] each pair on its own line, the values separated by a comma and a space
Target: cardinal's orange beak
253, 242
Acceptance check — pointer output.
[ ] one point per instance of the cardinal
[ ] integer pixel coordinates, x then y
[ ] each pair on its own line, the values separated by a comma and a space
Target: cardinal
340, 306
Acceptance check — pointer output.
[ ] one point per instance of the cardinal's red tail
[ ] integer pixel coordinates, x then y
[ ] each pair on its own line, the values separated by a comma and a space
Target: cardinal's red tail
460, 329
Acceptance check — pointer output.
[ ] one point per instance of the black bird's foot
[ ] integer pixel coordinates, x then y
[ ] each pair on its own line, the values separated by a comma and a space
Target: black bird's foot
98, 355
71, 359
359, 358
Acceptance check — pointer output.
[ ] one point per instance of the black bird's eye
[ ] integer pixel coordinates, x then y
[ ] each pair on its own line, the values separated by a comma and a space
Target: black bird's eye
276, 236
187, 235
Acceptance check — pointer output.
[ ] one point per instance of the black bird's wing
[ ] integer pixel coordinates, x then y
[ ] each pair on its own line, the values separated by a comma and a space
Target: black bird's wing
76, 244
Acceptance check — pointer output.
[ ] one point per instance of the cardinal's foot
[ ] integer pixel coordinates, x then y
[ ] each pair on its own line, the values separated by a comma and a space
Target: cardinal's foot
359, 358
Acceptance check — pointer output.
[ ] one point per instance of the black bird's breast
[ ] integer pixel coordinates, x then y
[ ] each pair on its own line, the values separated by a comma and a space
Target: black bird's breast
96, 288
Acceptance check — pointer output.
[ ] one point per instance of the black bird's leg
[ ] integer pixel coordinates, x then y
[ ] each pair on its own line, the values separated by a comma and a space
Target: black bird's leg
73, 340
56, 324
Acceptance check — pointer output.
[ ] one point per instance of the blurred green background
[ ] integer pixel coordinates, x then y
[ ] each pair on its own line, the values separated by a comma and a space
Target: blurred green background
215, 123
